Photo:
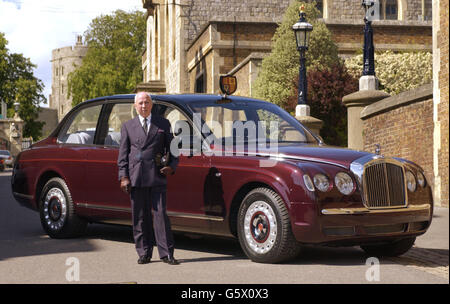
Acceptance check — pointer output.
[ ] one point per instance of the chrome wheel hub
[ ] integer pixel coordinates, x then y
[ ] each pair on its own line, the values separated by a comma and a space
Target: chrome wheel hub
55, 208
260, 227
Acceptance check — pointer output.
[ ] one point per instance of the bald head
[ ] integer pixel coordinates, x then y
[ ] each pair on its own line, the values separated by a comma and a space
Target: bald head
143, 104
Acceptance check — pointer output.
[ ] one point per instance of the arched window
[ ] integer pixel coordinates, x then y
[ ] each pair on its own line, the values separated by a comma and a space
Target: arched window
389, 10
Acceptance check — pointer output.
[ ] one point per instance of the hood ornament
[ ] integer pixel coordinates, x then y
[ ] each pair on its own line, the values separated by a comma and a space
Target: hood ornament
378, 151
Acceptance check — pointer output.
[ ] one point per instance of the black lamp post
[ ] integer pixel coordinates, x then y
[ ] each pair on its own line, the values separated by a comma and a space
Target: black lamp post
302, 29
368, 57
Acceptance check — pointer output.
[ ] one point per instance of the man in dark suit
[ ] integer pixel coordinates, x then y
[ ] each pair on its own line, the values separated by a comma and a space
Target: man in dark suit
142, 174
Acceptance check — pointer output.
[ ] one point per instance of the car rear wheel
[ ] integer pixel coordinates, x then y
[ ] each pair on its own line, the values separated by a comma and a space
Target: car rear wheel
57, 211
392, 249
264, 228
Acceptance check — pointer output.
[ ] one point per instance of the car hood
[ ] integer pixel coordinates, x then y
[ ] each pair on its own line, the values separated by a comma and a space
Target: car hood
323, 154
327, 154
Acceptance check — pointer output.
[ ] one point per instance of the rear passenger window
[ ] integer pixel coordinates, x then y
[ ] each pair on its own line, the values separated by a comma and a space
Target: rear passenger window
81, 129
120, 113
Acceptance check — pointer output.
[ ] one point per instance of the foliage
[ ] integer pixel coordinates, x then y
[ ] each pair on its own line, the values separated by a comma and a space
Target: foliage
282, 65
112, 64
17, 83
326, 88
397, 72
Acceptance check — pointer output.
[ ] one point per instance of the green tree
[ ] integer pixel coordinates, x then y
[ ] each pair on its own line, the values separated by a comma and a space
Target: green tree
112, 64
281, 67
17, 83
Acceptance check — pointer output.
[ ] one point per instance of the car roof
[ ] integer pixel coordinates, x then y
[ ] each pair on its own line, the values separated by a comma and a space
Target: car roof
184, 99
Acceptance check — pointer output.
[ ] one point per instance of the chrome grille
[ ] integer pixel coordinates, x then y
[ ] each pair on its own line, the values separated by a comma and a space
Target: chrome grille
384, 186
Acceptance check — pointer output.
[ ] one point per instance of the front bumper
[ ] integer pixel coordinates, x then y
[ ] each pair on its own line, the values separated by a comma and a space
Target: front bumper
355, 226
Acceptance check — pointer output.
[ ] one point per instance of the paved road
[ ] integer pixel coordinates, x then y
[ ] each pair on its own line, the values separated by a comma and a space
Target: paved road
106, 255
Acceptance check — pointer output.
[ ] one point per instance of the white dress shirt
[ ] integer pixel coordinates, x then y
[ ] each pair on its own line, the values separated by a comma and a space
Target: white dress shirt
141, 119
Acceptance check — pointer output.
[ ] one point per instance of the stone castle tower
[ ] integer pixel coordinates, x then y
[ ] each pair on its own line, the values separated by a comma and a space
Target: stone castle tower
64, 60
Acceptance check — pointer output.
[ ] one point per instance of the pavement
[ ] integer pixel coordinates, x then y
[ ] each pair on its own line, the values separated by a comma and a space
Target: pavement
106, 255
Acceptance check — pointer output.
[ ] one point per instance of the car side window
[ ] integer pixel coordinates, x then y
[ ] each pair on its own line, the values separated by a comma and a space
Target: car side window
81, 128
120, 113
180, 126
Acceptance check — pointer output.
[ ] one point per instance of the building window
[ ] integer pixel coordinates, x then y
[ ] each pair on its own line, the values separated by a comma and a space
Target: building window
200, 84
389, 10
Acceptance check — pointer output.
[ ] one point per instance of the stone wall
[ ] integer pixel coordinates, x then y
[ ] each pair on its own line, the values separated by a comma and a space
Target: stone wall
200, 12
246, 73
221, 47
50, 118
403, 126
388, 35
441, 98
351, 9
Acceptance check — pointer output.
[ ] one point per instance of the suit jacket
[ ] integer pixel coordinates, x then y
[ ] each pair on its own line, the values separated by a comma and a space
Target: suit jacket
137, 152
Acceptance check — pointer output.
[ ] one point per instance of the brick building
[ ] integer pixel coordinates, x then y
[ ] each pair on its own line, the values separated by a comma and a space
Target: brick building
190, 43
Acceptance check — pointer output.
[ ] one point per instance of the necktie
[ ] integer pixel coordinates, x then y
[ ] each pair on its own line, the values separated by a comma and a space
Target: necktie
145, 126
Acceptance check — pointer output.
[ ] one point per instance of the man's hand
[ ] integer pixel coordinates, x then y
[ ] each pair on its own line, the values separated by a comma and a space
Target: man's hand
167, 171
125, 185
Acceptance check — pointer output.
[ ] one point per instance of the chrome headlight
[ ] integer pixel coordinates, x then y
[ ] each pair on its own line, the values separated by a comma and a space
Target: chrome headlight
321, 182
411, 181
421, 179
308, 182
344, 183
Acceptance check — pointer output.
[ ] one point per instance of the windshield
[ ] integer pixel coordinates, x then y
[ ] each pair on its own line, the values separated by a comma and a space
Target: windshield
240, 122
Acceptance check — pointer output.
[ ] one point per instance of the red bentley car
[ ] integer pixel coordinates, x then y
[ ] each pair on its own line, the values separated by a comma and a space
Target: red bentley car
274, 194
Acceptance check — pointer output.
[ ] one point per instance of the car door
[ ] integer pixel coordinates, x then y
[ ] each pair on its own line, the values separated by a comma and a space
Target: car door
106, 201
70, 156
185, 189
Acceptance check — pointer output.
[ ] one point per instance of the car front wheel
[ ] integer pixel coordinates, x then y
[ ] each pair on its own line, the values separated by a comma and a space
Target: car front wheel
57, 211
264, 228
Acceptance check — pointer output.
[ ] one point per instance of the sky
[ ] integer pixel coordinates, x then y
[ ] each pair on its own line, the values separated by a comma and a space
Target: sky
35, 27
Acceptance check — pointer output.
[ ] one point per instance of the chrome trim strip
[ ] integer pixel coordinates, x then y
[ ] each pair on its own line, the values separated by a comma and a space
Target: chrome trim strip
196, 216
169, 213
101, 207
23, 195
350, 211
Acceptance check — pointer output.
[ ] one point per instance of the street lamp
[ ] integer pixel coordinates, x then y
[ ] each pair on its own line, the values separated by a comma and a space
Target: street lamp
302, 29
368, 57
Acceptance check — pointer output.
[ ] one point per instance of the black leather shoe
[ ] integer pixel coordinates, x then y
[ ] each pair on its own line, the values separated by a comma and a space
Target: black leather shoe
170, 261
144, 260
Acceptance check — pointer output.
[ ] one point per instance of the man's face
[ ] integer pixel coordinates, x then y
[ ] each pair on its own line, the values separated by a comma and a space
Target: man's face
143, 105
